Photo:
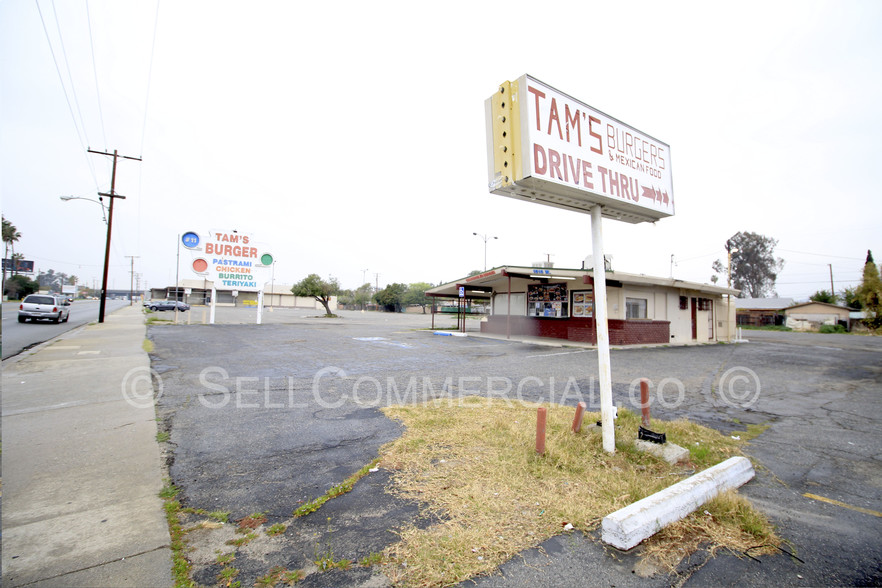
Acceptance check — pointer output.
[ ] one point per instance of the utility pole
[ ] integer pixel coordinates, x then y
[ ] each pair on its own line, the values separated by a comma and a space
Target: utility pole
832, 291
132, 281
112, 195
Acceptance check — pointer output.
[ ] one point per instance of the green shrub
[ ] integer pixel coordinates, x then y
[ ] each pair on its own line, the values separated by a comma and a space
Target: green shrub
832, 329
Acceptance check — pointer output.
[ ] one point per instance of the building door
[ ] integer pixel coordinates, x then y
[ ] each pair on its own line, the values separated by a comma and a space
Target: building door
694, 319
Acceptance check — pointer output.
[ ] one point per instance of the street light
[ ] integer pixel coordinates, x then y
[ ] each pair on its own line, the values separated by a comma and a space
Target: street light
100, 202
108, 220
486, 238
729, 252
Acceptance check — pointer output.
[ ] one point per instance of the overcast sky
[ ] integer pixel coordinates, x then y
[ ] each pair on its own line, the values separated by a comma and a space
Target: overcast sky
349, 136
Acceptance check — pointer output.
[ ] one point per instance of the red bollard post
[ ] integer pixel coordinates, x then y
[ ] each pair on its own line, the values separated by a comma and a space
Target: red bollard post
644, 401
580, 413
540, 431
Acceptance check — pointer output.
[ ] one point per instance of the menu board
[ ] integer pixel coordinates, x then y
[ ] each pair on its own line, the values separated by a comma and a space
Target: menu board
547, 300
583, 304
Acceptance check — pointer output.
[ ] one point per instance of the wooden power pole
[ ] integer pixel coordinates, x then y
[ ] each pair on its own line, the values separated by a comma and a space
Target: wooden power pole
112, 195
132, 280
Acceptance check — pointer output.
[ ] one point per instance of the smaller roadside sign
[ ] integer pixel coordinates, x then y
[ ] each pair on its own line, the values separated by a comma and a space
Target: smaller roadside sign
21, 266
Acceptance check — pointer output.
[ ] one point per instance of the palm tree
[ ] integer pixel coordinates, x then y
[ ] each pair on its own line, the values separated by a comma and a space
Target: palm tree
10, 236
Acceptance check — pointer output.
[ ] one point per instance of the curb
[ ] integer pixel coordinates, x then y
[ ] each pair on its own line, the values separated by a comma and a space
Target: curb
628, 526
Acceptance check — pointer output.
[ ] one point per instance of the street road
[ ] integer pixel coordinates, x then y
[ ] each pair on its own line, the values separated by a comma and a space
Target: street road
19, 336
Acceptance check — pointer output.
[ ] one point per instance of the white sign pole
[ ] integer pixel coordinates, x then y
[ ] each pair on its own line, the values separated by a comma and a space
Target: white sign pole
213, 301
259, 305
600, 313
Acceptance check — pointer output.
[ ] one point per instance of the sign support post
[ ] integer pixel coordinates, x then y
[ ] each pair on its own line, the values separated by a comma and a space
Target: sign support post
259, 306
213, 301
602, 326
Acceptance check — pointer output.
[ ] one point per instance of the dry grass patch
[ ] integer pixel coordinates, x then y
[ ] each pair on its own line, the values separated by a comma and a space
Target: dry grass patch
474, 464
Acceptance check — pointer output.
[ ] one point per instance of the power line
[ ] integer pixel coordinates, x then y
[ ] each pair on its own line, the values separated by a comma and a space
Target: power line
73, 88
95, 71
821, 255
144, 123
149, 77
64, 89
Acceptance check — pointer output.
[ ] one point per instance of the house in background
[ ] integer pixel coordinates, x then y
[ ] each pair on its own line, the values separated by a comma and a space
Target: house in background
810, 316
760, 312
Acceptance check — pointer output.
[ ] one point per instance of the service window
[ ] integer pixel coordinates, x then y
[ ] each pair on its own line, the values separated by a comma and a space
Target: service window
635, 308
547, 300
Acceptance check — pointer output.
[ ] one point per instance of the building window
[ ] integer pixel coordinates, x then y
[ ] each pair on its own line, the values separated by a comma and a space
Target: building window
684, 303
635, 308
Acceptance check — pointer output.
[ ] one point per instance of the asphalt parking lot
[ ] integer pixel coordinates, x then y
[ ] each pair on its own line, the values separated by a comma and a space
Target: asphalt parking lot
264, 417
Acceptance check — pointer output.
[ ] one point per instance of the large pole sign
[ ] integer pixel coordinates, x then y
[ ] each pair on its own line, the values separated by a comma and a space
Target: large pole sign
230, 259
547, 147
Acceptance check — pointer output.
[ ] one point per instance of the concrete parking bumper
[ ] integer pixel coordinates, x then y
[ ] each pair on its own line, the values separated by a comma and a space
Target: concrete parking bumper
81, 466
628, 526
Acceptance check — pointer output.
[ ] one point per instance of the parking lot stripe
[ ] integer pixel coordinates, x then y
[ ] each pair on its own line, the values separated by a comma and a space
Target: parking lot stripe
875, 513
560, 353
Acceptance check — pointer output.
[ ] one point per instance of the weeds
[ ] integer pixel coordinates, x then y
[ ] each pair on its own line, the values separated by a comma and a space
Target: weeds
221, 516
251, 522
338, 490
169, 490
476, 468
276, 529
242, 540
180, 564
278, 575
371, 560
226, 575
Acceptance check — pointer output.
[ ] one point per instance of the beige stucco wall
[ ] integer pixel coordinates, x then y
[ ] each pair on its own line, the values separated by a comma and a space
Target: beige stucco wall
817, 310
812, 316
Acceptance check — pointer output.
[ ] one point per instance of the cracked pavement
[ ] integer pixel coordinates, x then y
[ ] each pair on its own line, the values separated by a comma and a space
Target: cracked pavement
265, 417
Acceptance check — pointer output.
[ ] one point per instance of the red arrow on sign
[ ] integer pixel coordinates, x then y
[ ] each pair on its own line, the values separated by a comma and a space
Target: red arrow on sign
656, 195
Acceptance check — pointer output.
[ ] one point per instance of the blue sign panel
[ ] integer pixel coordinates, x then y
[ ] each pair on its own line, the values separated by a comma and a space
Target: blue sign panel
190, 240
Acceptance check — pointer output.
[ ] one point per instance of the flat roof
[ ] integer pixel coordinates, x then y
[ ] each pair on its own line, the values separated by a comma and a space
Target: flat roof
763, 303
484, 284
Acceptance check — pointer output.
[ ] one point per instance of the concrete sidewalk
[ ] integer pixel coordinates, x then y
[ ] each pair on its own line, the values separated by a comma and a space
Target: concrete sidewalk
81, 465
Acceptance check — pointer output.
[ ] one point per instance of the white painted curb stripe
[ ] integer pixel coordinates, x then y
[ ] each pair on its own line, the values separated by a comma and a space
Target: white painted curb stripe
629, 526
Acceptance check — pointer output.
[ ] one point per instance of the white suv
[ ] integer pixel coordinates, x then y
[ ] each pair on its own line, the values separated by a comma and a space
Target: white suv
45, 307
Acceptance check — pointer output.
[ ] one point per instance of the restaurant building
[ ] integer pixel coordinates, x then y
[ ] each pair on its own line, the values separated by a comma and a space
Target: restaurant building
559, 303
